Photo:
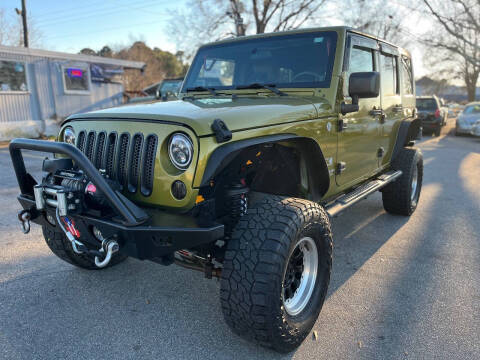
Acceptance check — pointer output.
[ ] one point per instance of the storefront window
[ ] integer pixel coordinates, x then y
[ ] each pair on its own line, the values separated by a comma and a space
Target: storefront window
12, 76
75, 79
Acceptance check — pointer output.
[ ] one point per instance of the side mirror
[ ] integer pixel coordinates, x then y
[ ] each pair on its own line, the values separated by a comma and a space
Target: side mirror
361, 85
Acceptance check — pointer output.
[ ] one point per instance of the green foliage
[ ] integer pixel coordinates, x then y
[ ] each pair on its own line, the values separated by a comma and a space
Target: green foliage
160, 64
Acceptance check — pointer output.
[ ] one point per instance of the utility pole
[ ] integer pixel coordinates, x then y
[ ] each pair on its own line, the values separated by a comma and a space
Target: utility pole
23, 14
237, 18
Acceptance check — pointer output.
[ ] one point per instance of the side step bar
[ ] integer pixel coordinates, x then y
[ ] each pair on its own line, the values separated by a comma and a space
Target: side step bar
361, 192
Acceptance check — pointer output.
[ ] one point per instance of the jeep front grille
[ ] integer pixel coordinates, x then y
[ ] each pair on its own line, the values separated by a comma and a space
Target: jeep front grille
128, 160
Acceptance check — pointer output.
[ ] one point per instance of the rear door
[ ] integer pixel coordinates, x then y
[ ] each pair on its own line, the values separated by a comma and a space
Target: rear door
391, 101
358, 142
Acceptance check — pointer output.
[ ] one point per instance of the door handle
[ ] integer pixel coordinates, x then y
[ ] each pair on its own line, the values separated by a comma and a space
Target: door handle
376, 112
380, 113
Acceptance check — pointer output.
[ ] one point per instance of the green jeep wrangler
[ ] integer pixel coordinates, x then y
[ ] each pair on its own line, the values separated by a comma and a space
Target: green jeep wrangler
273, 135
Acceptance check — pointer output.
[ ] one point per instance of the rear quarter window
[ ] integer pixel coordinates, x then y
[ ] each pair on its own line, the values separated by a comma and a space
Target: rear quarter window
407, 76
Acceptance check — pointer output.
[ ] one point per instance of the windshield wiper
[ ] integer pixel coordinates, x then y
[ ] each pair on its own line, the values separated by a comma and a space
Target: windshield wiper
271, 87
202, 88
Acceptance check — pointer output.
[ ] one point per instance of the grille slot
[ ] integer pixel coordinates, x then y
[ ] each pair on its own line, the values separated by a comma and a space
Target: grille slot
110, 154
99, 150
122, 158
128, 160
149, 154
134, 162
90, 145
81, 141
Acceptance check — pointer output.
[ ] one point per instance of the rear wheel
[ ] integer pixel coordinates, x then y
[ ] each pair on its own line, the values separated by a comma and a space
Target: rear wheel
401, 197
438, 130
61, 246
276, 271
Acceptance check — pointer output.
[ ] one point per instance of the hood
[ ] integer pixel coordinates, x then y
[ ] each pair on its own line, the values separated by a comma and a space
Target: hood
470, 118
238, 114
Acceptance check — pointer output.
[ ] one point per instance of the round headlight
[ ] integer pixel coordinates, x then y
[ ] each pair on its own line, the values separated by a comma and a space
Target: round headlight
180, 150
69, 136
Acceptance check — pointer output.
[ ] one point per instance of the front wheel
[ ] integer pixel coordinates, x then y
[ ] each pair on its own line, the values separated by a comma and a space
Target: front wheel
276, 271
401, 197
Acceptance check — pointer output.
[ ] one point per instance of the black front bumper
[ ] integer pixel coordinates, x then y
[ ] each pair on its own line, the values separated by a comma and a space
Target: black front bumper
155, 236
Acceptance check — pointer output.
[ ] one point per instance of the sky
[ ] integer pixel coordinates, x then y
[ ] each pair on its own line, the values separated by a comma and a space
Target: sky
70, 26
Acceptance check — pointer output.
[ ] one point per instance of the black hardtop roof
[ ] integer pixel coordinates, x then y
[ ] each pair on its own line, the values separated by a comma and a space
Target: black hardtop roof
306, 30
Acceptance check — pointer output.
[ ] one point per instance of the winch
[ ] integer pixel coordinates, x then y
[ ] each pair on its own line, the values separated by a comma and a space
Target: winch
70, 192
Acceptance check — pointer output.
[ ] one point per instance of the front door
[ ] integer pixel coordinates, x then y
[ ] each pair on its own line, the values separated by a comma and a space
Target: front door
357, 156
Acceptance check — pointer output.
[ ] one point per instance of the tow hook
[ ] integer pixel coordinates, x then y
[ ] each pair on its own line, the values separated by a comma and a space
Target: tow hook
24, 217
109, 247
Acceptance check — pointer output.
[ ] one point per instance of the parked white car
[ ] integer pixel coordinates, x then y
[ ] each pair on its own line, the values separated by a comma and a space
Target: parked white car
476, 129
468, 119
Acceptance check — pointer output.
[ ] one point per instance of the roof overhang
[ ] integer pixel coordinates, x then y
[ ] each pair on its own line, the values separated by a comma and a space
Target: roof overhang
14, 50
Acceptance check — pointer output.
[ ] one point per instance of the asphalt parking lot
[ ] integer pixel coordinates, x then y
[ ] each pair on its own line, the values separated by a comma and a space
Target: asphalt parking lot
400, 289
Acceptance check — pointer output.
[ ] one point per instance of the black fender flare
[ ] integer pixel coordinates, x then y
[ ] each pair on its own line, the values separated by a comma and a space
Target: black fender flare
309, 148
408, 131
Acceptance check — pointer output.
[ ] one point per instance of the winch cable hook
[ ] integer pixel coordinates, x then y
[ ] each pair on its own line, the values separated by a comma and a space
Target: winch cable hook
24, 217
109, 247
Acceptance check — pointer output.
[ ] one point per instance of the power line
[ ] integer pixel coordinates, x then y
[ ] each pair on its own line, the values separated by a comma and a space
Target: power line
101, 12
41, 14
104, 29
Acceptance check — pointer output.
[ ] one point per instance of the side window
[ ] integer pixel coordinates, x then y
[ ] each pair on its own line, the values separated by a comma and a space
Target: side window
361, 59
388, 74
407, 75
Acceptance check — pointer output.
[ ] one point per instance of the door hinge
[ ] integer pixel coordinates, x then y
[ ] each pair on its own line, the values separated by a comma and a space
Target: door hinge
342, 125
341, 166
380, 152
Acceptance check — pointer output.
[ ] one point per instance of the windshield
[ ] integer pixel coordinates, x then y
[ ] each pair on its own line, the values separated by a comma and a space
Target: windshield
472, 109
426, 104
287, 61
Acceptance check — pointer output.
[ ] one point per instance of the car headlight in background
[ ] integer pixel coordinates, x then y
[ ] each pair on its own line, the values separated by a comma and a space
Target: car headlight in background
180, 150
69, 136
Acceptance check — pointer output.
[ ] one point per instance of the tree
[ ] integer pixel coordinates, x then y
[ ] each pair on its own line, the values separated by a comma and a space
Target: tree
11, 30
106, 51
377, 17
209, 20
159, 65
457, 36
87, 51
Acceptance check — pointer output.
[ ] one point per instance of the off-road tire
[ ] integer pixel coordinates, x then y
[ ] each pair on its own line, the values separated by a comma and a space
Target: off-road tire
255, 262
61, 246
397, 196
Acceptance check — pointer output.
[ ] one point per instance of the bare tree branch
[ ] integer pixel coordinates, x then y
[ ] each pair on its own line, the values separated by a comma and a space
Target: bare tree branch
207, 20
458, 38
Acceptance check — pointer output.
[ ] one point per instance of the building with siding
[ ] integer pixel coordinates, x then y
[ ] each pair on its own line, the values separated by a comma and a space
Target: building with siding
39, 88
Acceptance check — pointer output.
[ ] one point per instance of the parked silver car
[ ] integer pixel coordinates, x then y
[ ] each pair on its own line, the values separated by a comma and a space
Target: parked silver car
467, 119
